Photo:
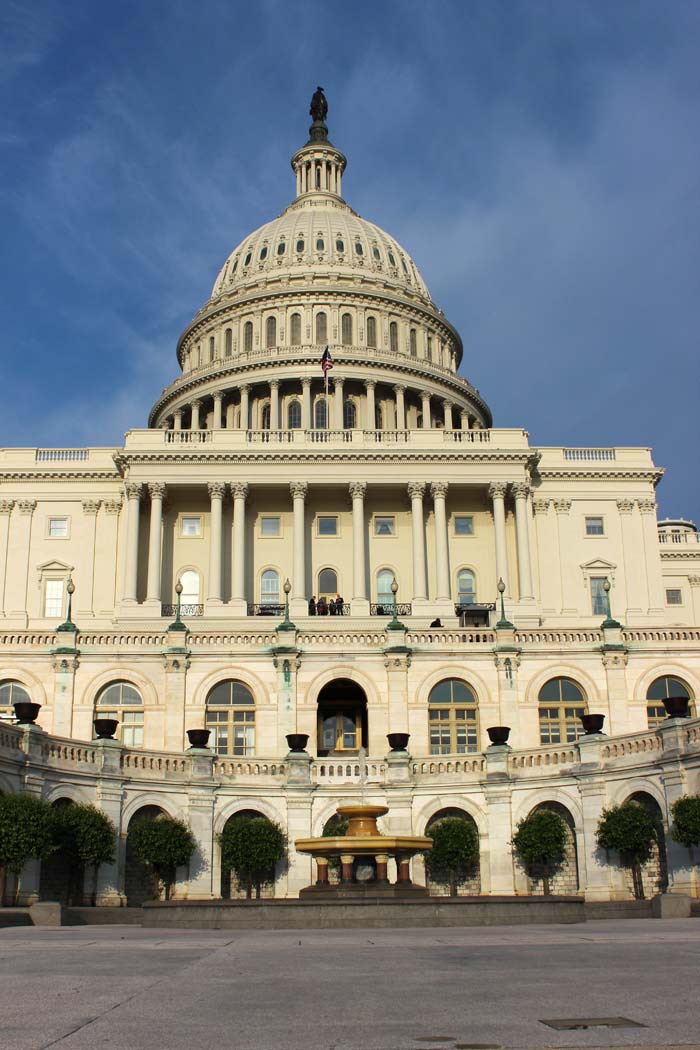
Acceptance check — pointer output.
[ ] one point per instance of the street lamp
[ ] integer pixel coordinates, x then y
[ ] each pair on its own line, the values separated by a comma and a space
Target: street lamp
503, 622
68, 625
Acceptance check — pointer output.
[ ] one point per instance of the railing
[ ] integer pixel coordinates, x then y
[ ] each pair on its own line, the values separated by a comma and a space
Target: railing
331, 608
445, 766
638, 743
542, 757
679, 537
599, 454
390, 609
468, 437
237, 767
186, 609
449, 636
661, 634
187, 437
61, 455
343, 771
262, 609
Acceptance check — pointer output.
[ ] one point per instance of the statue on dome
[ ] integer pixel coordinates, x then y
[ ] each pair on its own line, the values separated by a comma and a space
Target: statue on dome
319, 106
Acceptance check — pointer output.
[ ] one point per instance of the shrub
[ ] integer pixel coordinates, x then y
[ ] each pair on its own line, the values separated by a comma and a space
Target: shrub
455, 852
163, 845
631, 830
251, 847
686, 820
540, 841
86, 836
26, 830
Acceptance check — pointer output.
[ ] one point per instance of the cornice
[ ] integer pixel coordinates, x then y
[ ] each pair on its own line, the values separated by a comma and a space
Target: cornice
602, 474
680, 555
315, 456
58, 475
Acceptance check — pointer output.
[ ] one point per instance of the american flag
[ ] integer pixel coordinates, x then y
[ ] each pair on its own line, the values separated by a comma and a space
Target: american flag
326, 365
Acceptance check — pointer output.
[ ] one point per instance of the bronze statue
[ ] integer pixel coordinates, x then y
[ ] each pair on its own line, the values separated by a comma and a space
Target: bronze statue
319, 106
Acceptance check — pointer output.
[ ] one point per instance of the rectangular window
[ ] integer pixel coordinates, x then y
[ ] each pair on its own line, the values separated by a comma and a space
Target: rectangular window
599, 601
53, 598
327, 525
270, 526
594, 527
674, 596
384, 526
464, 525
58, 528
191, 525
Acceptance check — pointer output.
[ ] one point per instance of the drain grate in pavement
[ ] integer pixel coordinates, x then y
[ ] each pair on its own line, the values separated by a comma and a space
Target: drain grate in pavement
571, 1024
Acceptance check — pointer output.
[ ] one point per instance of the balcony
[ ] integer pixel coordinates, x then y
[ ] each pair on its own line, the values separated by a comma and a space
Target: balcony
390, 609
186, 609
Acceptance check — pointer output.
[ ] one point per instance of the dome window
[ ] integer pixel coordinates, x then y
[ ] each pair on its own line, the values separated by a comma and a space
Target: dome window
281, 248
413, 343
263, 253
271, 332
376, 253
392, 260
320, 244
295, 327
340, 245
371, 331
294, 415
248, 337
394, 336
234, 268
228, 342
359, 250
300, 244
321, 328
246, 261
403, 263
346, 329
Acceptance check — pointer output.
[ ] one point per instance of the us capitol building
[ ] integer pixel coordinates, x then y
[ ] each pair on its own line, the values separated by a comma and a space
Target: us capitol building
272, 555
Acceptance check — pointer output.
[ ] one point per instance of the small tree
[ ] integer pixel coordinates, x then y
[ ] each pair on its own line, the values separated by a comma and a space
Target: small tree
335, 827
86, 836
163, 845
455, 852
26, 830
686, 820
251, 847
631, 830
540, 840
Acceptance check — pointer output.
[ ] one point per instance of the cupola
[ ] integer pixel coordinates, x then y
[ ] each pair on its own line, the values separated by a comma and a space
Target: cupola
318, 165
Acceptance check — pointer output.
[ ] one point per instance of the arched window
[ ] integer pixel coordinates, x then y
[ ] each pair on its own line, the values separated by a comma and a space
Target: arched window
281, 248
265, 417
300, 244
230, 715
661, 689
320, 244
190, 592
561, 703
393, 336
228, 342
349, 415
328, 584
248, 336
271, 331
295, 329
122, 700
429, 348
376, 253
413, 342
340, 245
346, 329
392, 260
371, 331
270, 587
263, 253
246, 261
211, 347
359, 250
378, 416
12, 693
320, 414
293, 415
385, 598
466, 587
321, 327
452, 718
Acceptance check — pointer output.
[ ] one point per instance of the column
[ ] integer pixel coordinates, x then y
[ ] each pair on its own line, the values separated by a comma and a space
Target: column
245, 406
338, 401
522, 491
371, 411
19, 551
91, 509
438, 491
415, 491
360, 602
306, 403
274, 404
400, 391
156, 490
239, 491
652, 561
177, 419
547, 539
497, 492
298, 490
464, 418
448, 406
569, 602
133, 495
195, 406
632, 554
218, 398
6, 506
425, 400
217, 490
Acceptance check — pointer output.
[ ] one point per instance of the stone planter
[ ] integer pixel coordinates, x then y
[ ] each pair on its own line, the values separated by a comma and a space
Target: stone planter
26, 713
498, 734
677, 706
398, 741
105, 728
198, 737
297, 742
592, 723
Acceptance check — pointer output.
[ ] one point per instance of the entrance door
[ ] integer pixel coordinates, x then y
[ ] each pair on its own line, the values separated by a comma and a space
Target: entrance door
342, 718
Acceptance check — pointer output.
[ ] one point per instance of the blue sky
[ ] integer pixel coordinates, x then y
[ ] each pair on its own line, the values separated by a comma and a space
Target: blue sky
540, 160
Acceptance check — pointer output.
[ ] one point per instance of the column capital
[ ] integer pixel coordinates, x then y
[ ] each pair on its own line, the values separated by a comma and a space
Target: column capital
113, 506
647, 506
447, 403
357, 489
244, 387
339, 380
694, 581
540, 506
399, 388
562, 506
625, 506
305, 381
298, 489
26, 506
134, 490
196, 402
521, 489
91, 506
370, 383
239, 489
216, 489
416, 489
439, 489
274, 384
218, 396
497, 489
156, 489
6, 506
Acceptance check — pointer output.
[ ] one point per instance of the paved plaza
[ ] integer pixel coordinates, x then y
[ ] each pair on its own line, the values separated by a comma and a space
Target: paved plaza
124, 988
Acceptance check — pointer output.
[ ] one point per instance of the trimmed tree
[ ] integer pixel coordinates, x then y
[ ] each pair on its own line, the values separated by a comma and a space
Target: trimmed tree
686, 820
251, 847
336, 827
631, 830
86, 836
26, 831
540, 841
455, 852
163, 845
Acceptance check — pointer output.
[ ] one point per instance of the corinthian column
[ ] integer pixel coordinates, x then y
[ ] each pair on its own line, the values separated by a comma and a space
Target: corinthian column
274, 404
245, 406
217, 490
133, 495
218, 398
400, 391
416, 489
521, 491
497, 492
360, 601
339, 388
156, 491
438, 490
239, 491
298, 490
370, 386
426, 421
194, 422
306, 403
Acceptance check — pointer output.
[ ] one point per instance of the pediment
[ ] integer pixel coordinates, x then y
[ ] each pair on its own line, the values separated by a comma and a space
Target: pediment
598, 564
54, 566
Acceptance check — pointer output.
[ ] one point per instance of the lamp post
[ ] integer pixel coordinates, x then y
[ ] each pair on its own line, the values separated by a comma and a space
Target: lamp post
177, 624
68, 624
503, 622
608, 621
286, 624
395, 624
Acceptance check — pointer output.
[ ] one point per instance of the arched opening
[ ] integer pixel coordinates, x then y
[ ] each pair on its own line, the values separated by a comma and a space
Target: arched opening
561, 704
393, 336
466, 587
271, 332
189, 599
295, 330
138, 880
342, 718
565, 879
349, 415
321, 327
327, 586
265, 416
230, 715
12, 693
122, 701
346, 329
655, 871
230, 888
371, 331
453, 718
469, 885
413, 342
228, 342
661, 689
294, 415
60, 879
270, 588
320, 414
248, 337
